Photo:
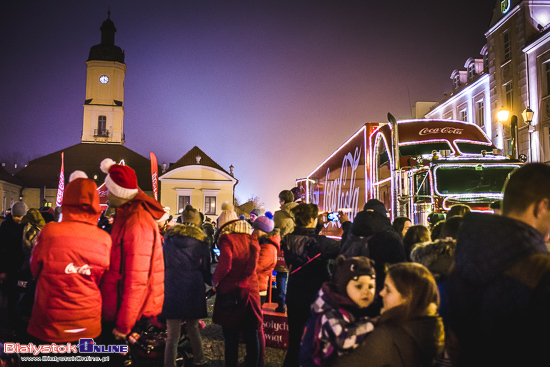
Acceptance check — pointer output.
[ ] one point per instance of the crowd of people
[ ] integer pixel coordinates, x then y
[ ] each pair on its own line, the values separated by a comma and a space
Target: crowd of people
469, 289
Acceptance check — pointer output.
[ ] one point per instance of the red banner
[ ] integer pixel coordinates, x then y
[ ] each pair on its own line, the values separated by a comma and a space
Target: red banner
154, 174
61, 186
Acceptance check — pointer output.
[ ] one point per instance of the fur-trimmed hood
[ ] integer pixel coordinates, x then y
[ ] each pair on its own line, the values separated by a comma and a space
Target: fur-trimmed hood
186, 229
437, 256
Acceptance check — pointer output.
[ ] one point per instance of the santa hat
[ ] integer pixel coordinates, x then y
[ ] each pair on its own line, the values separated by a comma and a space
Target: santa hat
227, 214
121, 180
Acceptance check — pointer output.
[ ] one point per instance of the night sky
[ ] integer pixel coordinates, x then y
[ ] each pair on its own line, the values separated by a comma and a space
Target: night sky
270, 87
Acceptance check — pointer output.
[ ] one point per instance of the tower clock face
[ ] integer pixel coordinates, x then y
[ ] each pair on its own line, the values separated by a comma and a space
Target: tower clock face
104, 79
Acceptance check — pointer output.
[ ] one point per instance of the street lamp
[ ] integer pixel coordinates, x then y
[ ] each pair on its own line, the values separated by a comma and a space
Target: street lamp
502, 115
528, 115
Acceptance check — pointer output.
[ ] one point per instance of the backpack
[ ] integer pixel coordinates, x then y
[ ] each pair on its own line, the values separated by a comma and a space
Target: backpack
303, 250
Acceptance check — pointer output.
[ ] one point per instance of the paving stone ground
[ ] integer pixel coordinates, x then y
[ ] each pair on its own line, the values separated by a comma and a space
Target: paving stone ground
214, 346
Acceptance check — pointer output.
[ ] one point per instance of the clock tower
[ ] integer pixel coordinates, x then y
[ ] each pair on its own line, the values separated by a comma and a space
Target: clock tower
104, 103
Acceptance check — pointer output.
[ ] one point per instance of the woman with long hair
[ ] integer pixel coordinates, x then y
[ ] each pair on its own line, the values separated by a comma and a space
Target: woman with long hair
409, 332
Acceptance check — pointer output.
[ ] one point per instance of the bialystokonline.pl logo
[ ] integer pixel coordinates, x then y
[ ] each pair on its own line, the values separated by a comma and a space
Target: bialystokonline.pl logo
61, 352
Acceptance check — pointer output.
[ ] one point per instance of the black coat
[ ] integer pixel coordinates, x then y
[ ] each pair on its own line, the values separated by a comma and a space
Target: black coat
11, 250
186, 270
385, 245
498, 318
303, 284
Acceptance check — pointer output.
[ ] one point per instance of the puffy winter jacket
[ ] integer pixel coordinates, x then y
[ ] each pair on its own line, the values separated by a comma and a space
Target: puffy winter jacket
68, 261
269, 247
134, 284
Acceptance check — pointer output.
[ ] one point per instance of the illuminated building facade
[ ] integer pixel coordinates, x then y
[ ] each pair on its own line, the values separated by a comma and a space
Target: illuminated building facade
513, 74
197, 180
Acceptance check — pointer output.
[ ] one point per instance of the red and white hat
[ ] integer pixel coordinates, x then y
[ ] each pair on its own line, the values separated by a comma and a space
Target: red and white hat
121, 180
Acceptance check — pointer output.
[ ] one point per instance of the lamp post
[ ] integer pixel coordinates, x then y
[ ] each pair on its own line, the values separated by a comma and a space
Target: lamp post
528, 115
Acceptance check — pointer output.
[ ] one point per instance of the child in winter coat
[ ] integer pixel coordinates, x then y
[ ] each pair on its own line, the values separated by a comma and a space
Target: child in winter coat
339, 323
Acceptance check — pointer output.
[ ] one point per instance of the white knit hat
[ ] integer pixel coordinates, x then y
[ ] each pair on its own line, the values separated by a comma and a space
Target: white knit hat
121, 180
227, 214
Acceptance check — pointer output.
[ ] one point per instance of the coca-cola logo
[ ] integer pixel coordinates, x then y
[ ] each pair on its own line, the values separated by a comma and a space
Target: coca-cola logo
440, 130
84, 269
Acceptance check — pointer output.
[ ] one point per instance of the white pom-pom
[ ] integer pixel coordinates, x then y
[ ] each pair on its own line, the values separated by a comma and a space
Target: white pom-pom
106, 164
227, 206
77, 174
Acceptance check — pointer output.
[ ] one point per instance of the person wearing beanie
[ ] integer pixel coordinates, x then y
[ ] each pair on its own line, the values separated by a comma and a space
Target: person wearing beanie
18, 210
339, 322
134, 285
270, 244
377, 206
372, 235
237, 305
255, 213
227, 214
11, 259
187, 271
68, 301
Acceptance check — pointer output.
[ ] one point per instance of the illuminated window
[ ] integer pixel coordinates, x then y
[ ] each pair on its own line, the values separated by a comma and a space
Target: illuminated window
210, 199
210, 205
184, 198
182, 202
507, 46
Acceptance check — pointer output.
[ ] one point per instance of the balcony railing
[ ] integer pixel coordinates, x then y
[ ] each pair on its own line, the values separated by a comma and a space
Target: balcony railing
101, 133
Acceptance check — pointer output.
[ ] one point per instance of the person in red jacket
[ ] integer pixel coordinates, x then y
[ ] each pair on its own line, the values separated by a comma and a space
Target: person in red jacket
237, 305
134, 285
270, 243
68, 261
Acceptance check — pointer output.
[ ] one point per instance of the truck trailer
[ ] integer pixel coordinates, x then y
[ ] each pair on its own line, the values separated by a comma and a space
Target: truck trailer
415, 167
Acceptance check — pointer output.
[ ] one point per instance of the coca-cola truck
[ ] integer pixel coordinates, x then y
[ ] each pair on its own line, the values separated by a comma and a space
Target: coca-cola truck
415, 167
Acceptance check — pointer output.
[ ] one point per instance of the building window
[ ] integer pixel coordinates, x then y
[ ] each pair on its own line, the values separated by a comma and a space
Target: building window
508, 93
480, 113
182, 202
463, 115
101, 125
546, 78
184, 198
471, 71
456, 82
210, 205
507, 46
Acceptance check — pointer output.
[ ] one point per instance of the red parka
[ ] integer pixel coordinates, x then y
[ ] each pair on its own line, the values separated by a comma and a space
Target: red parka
134, 284
68, 261
236, 272
269, 247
